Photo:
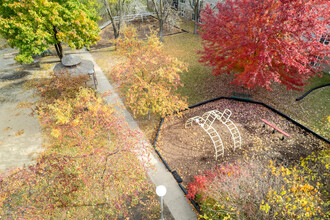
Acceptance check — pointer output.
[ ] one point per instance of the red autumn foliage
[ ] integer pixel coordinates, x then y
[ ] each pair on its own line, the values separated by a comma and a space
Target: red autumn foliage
265, 41
199, 184
202, 181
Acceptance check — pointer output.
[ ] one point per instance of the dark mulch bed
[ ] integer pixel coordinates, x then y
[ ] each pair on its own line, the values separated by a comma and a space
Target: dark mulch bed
190, 151
143, 26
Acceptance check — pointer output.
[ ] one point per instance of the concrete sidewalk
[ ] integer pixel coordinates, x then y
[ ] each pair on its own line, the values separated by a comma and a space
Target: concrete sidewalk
20, 137
174, 199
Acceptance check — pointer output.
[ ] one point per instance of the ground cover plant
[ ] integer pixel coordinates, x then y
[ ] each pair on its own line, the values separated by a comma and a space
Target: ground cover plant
89, 168
254, 191
266, 178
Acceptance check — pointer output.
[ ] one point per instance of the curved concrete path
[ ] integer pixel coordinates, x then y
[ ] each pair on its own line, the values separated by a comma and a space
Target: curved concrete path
174, 199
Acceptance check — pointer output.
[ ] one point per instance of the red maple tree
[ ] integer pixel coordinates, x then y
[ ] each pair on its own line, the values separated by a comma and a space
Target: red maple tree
267, 40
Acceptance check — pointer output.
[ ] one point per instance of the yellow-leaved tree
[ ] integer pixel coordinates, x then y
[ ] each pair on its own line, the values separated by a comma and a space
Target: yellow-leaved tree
149, 77
32, 26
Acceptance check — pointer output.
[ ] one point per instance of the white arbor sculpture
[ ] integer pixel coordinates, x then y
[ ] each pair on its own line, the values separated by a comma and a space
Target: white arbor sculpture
206, 122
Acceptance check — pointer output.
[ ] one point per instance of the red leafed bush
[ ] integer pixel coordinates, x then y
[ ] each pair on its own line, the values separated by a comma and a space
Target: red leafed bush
202, 181
194, 187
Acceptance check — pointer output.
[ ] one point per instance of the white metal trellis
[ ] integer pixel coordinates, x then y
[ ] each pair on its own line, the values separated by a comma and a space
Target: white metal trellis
224, 118
217, 142
206, 122
235, 135
194, 120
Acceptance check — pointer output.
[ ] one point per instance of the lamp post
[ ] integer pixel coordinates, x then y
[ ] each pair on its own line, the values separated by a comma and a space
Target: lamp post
161, 191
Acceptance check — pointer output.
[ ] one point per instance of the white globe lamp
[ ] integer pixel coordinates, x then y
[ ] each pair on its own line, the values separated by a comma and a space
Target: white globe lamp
161, 192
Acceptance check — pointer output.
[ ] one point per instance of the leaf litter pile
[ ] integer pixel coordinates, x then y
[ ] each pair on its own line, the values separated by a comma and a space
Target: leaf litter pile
190, 151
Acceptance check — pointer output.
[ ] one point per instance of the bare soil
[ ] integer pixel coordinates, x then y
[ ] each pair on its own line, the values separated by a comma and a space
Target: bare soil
190, 151
144, 26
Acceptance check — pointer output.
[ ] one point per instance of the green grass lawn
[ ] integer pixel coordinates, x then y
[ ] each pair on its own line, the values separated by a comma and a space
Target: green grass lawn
185, 47
314, 108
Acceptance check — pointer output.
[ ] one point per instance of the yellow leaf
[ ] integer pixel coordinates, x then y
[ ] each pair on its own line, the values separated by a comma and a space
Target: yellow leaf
20, 132
55, 133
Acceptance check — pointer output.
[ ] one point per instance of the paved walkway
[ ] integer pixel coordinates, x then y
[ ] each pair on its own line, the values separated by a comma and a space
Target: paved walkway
20, 135
174, 199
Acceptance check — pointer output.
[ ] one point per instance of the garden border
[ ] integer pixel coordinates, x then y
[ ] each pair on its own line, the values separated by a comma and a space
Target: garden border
177, 176
311, 90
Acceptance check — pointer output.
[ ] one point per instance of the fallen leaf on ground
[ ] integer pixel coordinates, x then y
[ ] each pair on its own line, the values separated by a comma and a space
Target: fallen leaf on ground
20, 132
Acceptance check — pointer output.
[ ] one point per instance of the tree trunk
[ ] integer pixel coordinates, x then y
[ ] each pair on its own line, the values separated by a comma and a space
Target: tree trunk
161, 22
121, 6
196, 27
59, 50
115, 29
58, 46
197, 10
149, 112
